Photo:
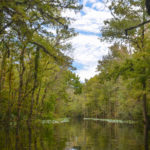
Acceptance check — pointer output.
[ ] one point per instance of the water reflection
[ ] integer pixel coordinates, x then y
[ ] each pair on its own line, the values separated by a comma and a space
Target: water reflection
77, 135
146, 139
76, 148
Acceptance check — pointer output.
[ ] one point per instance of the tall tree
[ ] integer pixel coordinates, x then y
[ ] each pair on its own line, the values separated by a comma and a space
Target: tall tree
125, 16
33, 34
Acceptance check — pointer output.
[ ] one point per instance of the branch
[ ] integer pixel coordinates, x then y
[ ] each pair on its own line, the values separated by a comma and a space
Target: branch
133, 41
44, 49
137, 26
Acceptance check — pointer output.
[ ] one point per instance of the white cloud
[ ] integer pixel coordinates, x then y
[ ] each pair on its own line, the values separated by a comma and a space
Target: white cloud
86, 73
88, 50
99, 6
91, 20
92, 1
87, 47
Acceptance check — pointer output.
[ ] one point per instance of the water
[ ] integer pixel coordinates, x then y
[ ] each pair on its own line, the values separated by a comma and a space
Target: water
76, 135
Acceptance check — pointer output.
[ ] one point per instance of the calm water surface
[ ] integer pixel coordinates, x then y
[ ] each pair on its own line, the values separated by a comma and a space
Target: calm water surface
76, 135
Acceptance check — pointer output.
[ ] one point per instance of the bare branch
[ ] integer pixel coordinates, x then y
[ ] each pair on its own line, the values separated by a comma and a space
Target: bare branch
137, 26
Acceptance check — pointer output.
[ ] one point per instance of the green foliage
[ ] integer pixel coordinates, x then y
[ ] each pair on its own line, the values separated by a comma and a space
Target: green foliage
121, 89
33, 67
36, 80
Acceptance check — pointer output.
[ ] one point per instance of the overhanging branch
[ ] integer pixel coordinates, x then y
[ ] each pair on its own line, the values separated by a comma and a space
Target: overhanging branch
137, 26
44, 49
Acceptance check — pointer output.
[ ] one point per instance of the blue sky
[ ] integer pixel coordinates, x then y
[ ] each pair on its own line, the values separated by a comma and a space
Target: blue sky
88, 49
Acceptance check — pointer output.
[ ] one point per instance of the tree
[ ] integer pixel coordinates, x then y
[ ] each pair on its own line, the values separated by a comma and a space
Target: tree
123, 16
33, 37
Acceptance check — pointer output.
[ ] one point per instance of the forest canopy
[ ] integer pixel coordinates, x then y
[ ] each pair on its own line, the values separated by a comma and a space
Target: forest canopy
121, 89
34, 71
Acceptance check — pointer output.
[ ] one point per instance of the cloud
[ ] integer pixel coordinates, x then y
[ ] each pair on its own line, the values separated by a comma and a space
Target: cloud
88, 50
86, 73
90, 19
87, 47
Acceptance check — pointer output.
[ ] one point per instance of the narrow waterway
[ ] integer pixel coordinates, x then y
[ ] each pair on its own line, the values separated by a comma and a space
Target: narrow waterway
75, 135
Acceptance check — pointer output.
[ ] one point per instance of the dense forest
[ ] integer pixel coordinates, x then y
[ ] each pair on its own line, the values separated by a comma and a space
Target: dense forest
36, 76
35, 73
121, 89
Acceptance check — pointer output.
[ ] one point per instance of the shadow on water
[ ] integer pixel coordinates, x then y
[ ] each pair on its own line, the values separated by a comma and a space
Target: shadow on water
76, 135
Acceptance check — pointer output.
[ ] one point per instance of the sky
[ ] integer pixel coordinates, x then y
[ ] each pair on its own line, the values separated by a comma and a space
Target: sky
88, 48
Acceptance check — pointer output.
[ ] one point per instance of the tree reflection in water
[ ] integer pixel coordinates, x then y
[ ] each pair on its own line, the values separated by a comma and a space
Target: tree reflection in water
74, 136
76, 148
146, 139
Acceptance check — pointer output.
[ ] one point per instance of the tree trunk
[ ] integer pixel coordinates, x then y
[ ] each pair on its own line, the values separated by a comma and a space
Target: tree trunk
2, 73
8, 116
145, 105
43, 97
22, 69
146, 143
145, 115
35, 83
38, 95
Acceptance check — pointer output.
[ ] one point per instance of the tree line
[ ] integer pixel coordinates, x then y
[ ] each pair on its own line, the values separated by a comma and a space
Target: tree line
121, 90
36, 81
34, 70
